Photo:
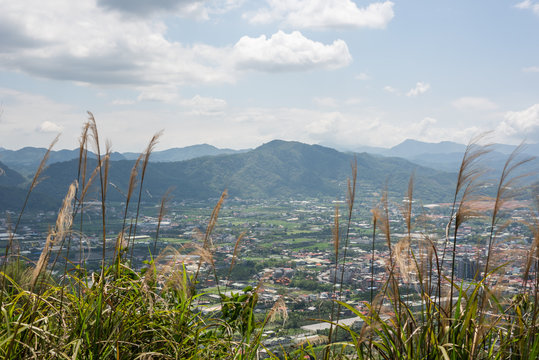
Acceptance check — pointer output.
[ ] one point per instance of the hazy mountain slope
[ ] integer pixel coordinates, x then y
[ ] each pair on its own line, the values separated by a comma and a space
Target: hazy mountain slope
9, 177
27, 159
13, 189
410, 148
447, 156
184, 153
12, 198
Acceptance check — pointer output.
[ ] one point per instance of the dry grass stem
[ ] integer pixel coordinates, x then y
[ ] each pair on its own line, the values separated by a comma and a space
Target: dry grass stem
278, 309
56, 235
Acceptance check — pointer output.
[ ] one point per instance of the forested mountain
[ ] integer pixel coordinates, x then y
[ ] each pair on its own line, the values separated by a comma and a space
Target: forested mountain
9, 177
13, 192
276, 169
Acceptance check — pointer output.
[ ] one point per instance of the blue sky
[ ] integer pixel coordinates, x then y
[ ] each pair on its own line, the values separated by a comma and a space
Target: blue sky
236, 73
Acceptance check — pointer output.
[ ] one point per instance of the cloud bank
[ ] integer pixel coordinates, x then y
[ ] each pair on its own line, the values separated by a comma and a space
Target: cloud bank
102, 47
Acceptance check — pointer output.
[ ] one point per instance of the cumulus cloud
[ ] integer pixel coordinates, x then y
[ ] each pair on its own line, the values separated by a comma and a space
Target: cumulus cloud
324, 14
102, 47
49, 126
419, 89
287, 52
108, 48
423, 126
521, 124
474, 103
14, 39
529, 5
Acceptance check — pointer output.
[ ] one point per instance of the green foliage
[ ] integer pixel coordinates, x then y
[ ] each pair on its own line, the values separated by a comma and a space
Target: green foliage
277, 169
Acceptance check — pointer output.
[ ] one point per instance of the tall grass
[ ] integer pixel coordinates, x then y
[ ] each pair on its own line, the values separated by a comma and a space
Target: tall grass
119, 312
455, 320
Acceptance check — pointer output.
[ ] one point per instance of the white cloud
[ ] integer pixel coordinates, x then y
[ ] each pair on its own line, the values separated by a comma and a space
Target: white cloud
474, 103
521, 124
529, 5
422, 128
339, 128
419, 89
228, 126
324, 14
49, 126
103, 47
287, 52
107, 48
533, 69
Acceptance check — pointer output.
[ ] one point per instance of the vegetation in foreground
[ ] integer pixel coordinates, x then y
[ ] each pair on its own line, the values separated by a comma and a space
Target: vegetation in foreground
56, 309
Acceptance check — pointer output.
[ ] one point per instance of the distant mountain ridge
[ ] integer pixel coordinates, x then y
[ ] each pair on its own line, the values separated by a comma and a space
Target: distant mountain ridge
410, 148
276, 169
27, 159
447, 155
184, 153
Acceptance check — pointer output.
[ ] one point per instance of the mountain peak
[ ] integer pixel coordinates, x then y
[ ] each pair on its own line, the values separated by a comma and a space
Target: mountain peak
409, 148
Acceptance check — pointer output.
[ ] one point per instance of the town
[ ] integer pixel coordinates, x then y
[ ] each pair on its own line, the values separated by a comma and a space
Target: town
285, 249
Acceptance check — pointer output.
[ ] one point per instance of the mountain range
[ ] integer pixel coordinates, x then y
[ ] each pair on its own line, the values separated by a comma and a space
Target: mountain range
27, 159
275, 169
447, 155
184, 153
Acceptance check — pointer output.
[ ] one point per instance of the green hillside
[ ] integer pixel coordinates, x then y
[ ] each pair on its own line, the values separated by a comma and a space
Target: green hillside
275, 169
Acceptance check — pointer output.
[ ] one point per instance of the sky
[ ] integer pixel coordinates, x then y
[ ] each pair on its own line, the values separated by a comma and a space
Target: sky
237, 73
